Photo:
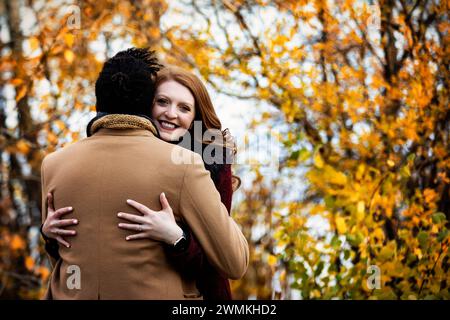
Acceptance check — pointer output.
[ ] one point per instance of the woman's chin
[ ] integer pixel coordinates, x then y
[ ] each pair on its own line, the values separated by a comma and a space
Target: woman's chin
169, 136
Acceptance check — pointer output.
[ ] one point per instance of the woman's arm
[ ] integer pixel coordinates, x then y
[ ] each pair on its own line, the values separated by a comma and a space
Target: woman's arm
53, 229
225, 187
162, 226
193, 259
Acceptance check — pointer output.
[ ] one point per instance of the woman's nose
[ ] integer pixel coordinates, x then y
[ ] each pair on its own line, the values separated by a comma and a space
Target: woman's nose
171, 112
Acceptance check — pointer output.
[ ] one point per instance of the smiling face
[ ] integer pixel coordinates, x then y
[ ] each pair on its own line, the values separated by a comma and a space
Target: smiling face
173, 110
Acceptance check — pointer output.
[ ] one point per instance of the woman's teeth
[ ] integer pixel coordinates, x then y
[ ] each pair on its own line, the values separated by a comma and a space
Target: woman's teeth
167, 125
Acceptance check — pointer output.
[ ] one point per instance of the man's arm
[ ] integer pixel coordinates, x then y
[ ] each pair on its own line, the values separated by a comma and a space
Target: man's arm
220, 237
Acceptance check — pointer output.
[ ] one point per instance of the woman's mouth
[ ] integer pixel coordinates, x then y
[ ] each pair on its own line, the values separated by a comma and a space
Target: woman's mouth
167, 125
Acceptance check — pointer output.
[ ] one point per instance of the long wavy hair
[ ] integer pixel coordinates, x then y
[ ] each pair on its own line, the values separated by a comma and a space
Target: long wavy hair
204, 109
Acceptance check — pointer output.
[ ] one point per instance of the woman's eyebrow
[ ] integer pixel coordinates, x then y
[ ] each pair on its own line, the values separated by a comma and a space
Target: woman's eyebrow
159, 96
162, 95
186, 104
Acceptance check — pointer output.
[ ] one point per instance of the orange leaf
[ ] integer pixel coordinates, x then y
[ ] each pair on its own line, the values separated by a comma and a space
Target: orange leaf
21, 93
17, 243
29, 263
22, 146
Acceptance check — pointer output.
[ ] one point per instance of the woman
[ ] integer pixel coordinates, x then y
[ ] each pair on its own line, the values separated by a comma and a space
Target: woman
181, 105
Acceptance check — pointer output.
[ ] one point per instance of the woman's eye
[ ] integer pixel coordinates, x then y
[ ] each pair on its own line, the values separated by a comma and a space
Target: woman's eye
185, 108
162, 101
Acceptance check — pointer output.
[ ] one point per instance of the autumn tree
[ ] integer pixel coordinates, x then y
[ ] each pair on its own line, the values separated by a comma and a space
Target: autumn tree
362, 89
356, 92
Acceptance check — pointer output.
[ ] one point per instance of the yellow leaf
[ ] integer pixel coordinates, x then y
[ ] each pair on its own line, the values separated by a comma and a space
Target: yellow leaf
318, 161
391, 163
69, 39
272, 260
69, 56
335, 176
388, 251
340, 225
418, 252
34, 43
360, 211
360, 171
378, 233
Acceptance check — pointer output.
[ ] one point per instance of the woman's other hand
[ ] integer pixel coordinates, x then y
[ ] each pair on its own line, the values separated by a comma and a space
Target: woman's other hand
156, 225
54, 227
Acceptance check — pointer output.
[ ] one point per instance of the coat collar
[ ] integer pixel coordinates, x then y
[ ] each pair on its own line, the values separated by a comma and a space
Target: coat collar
122, 124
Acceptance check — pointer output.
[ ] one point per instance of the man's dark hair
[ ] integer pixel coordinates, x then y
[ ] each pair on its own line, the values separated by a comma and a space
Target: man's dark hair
126, 83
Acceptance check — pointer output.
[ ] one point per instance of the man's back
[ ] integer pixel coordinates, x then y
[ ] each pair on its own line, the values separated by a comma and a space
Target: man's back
96, 176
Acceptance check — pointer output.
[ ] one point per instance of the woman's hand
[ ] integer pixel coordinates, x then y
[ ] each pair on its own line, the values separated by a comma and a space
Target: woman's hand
156, 225
54, 226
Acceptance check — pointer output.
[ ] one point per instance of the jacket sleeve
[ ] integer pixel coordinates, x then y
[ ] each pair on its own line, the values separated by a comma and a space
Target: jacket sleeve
224, 186
220, 237
192, 258
189, 261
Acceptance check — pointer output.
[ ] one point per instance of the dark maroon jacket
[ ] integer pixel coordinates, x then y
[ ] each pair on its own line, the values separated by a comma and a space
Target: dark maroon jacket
192, 262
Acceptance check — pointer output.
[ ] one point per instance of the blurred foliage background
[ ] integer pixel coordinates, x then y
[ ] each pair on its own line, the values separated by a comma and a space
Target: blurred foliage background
356, 92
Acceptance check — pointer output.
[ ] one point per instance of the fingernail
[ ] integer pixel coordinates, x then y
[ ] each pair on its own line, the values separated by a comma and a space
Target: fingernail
74, 232
163, 194
119, 214
127, 238
75, 221
128, 200
120, 224
68, 246
70, 208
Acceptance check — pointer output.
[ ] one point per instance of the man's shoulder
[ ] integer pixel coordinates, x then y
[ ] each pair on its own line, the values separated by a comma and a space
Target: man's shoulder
180, 155
64, 151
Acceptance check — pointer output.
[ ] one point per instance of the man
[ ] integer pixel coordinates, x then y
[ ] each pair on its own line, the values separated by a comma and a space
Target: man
125, 160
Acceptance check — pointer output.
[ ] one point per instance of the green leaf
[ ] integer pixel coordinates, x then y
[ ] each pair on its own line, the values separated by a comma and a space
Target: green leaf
319, 268
294, 155
422, 237
304, 155
346, 254
336, 242
411, 157
329, 201
353, 240
442, 235
405, 172
438, 217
